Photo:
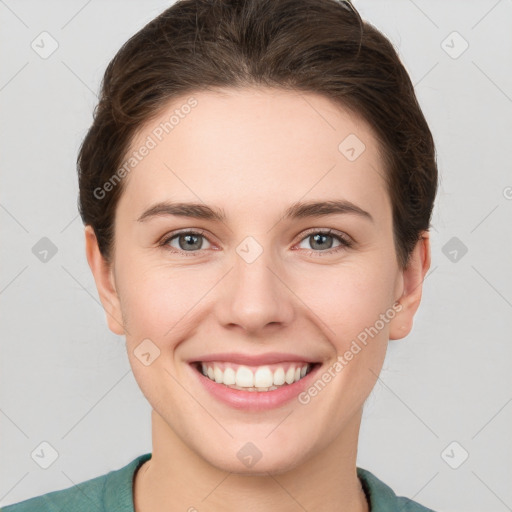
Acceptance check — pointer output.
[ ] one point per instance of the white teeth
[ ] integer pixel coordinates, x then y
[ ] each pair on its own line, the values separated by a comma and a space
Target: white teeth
217, 373
263, 379
229, 376
290, 375
244, 377
279, 377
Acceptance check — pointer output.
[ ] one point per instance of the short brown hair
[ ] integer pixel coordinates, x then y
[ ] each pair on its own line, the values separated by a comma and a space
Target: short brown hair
319, 46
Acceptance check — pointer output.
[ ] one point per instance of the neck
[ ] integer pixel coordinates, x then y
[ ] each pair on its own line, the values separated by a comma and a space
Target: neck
178, 479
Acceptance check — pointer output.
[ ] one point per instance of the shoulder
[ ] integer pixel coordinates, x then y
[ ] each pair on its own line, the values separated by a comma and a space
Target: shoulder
383, 499
88, 494
111, 491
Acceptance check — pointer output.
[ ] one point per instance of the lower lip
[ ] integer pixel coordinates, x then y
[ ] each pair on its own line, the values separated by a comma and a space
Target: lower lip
256, 400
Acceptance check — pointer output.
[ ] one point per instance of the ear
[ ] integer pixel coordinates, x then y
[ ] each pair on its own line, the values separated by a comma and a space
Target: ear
105, 283
412, 278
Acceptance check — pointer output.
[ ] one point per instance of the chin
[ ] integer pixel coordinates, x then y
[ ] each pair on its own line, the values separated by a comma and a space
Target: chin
259, 457
260, 468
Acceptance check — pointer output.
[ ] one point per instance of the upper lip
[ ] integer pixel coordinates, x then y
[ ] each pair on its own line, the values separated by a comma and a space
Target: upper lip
252, 360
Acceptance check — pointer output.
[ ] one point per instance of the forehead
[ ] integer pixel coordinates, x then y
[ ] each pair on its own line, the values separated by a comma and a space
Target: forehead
256, 147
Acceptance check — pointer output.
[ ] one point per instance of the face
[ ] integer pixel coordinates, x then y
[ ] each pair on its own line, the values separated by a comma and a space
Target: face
319, 284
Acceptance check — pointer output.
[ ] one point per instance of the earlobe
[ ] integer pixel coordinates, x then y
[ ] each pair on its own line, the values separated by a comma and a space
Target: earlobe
105, 284
412, 277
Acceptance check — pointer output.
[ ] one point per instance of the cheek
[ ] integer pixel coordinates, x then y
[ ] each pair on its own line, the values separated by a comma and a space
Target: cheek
159, 305
350, 299
356, 308
159, 301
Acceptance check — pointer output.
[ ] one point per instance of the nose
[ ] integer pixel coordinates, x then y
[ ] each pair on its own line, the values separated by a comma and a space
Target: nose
256, 297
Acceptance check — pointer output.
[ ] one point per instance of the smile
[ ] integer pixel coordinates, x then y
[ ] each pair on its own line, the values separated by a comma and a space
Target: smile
254, 378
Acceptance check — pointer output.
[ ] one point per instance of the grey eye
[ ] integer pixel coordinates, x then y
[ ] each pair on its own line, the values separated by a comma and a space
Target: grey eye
188, 241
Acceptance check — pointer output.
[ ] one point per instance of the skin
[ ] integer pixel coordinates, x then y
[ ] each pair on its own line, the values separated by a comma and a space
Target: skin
254, 152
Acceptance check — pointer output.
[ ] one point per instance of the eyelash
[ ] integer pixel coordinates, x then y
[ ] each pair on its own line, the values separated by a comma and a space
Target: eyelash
345, 242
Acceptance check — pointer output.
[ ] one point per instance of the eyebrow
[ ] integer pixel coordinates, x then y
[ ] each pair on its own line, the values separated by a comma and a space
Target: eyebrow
298, 210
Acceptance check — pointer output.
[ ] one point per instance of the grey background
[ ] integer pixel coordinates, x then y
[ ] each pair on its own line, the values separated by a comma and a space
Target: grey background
65, 378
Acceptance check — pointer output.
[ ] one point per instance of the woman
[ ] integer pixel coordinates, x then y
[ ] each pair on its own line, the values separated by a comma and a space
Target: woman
233, 140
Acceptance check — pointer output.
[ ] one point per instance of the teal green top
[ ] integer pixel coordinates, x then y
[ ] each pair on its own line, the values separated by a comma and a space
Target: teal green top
113, 492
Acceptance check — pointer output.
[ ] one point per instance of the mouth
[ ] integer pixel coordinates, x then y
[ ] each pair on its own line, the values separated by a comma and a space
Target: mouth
260, 379
255, 388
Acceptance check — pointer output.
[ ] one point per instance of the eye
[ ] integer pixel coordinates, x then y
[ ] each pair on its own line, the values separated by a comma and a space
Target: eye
185, 241
322, 241
191, 242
